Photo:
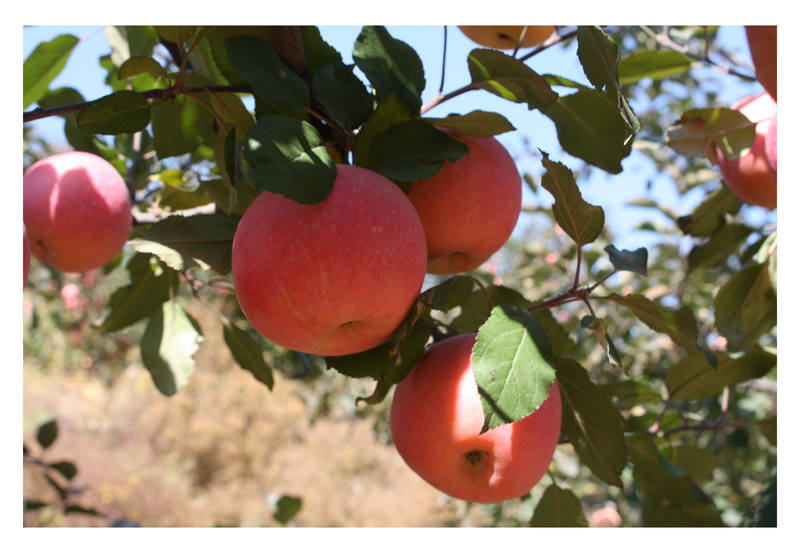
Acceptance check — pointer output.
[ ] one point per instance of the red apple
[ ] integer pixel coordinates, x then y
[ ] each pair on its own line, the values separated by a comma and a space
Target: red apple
763, 43
436, 418
333, 278
470, 207
506, 37
26, 255
771, 145
77, 211
749, 176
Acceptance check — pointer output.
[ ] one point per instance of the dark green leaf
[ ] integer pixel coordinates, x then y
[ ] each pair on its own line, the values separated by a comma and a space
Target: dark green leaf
709, 216
654, 64
448, 294
33, 504
343, 94
272, 81
559, 508
150, 286
693, 378
247, 353
696, 462
599, 57
768, 253
590, 422
769, 428
582, 221
178, 240
723, 243
414, 150
141, 64
697, 129
592, 128
630, 394
130, 40
67, 469
509, 78
180, 125
389, 113
80, 510
511, 364
746, 306
43, 65
392, 67
475, 123
477, 307
47, 433
288, 157
123, 111
168, 345
626, 260
286, 508
671, 497
316, 50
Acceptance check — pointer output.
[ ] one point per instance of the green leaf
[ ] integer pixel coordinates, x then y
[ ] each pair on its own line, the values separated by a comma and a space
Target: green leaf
129, 41
123, 111
414, 150
343, 95
746, 306
207, 237
286, 508
693, 378
65, 468
272, 81
391, 66
629, 394
696, 462
679, 325
709, 216
180, 125
671, 497
509, 78
475, 123
247, 353
723, 243
389, 113
511, 365
768, 253
653, 64
43, 65
150, 286
626, 260
141, 64
599, 57
698, 129
592, 128
582, 221
287, 156
168, 345
590, 422
316, 50
559, 508
47, 433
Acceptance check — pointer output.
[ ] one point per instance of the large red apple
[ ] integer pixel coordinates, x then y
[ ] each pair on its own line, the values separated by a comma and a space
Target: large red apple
26, 255
436, 418
506, 37
333, 278
76, 209
470, 207
763, 43
749, 176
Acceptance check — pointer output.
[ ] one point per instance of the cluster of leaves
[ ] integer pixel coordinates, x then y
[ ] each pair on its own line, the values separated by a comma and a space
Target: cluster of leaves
184, 138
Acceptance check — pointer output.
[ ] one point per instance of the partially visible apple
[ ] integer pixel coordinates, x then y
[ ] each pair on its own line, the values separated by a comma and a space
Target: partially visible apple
506, 37
749, 176
333, 278
26, 255
470, 207
436, 419
763, 43
771, 145
76, 209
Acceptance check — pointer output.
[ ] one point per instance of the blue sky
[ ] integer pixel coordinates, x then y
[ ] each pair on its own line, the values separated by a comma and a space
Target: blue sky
611, 192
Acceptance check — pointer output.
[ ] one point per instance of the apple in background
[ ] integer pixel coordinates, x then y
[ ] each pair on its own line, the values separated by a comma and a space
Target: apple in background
506, 37
26, 255
436, 418
749, 176
606, 517
771, 145
333, 278
763, 43
470, 207
77, 211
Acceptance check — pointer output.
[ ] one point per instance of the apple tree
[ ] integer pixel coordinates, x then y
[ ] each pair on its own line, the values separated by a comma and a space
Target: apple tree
664, 355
